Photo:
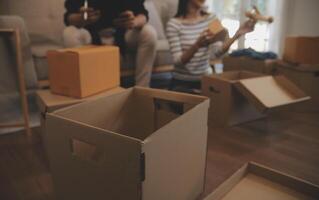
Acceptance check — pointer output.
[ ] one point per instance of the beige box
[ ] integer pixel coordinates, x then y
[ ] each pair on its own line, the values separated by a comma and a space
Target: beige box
244, 63
48, 102
254, 181
84, 71
307, 78
302, 50
241, 96
138, 144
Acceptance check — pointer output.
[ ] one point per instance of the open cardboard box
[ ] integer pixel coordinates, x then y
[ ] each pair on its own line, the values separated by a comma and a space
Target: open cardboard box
254, 181
137, 144
84, 71
307, 78
48, 102
241, 96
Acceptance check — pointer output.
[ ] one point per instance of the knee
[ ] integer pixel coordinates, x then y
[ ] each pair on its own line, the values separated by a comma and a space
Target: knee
148, 35
74, 37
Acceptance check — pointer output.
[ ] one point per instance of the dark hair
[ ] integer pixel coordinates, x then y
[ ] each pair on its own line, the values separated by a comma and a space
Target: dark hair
182, 9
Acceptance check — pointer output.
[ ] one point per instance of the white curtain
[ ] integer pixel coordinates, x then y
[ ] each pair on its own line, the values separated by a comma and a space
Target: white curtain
278, 30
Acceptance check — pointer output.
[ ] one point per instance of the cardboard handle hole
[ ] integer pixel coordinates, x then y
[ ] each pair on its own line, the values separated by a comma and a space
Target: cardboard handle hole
213, 90
85, 151
317, 74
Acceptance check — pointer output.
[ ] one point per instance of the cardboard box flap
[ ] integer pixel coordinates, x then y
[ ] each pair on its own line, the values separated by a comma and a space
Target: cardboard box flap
268, 92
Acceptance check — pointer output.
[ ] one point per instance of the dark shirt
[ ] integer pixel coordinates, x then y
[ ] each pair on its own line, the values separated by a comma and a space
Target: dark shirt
110, 9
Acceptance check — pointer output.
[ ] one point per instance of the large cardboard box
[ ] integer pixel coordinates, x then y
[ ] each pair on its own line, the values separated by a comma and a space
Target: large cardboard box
302, 50
48, 102
241, 96
84, 71
244, 63
254, 181
307, 78
139, 144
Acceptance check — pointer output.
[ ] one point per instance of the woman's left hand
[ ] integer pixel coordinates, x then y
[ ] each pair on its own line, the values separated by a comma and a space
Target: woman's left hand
247, 27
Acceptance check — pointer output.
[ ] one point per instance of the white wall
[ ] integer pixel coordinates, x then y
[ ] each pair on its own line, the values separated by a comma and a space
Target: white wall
303, 18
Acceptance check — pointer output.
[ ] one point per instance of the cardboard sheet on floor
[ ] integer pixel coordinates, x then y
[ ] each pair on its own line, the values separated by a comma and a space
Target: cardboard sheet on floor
255, 181
137, 144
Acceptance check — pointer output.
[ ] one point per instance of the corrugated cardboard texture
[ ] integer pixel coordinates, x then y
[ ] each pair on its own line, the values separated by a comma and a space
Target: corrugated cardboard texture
307, 78
254, 181
84, 71
239, 96
228, 106
163, 126
175, 160
269, 92
302, 50
253, 187
249, 64
76, 178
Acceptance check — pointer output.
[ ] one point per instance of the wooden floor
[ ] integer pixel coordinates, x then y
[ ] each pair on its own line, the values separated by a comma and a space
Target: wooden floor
288, 142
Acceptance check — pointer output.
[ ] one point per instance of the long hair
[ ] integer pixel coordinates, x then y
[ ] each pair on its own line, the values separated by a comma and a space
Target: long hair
182, 9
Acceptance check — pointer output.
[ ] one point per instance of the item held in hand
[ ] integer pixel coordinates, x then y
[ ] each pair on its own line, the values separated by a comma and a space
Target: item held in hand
257, 16
216, 27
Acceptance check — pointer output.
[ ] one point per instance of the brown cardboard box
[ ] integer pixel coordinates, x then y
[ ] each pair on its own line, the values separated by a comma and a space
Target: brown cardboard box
307, 78
84, 71
216, 26
254, 181
241, 96
48, 102
140, 144
244, 63
302, 50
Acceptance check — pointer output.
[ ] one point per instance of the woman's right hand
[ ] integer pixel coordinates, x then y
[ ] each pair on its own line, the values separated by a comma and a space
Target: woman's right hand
205, 39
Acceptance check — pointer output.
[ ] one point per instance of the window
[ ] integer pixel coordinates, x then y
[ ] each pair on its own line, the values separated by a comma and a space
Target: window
231, 13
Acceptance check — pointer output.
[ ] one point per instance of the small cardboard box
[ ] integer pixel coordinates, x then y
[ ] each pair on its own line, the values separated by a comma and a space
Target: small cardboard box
48, 102
244, 63
241, 96
307, 78
216, 26
139, 144
254, 181
302, 50
84, 71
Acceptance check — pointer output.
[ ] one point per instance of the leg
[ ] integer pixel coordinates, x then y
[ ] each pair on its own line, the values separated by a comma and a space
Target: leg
75, 37
144, 41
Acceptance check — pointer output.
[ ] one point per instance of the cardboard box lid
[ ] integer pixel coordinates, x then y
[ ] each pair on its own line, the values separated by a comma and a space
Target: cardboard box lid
87, 49
268, 93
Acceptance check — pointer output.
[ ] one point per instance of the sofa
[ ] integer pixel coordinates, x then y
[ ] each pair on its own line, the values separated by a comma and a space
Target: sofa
44, 24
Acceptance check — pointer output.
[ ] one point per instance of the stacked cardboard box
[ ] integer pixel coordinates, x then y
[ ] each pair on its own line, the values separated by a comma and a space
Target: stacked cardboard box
302, 50
84, 71
240, 96
137, 144
244, 63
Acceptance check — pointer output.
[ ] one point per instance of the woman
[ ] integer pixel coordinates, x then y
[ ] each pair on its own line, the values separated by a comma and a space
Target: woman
193, 45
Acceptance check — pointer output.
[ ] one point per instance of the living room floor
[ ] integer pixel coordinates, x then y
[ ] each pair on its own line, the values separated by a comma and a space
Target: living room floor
286, 141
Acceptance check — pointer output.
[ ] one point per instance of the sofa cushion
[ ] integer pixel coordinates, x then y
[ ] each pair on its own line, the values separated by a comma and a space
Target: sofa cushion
154, 19
163, 54
8, 72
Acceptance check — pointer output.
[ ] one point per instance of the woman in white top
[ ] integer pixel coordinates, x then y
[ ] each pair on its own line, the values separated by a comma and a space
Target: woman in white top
193, 45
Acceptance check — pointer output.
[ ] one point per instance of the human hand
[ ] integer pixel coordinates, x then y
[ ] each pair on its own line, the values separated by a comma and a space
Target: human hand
126, 20
89, 15
205, 38
247, 27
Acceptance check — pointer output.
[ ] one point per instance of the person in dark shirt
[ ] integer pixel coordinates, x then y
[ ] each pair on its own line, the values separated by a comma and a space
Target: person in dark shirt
119, 22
